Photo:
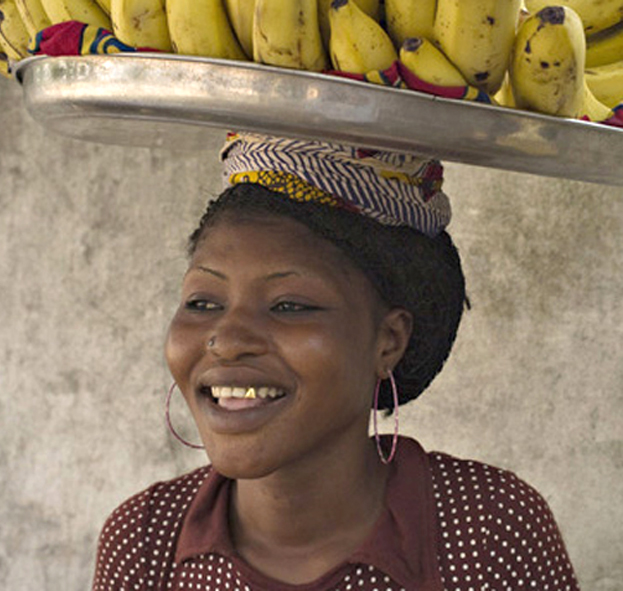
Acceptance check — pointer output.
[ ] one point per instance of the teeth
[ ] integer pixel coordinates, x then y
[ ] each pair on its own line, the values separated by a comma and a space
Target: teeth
250, 392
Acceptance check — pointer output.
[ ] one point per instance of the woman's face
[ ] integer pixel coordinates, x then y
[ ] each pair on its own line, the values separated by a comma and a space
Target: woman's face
268, 305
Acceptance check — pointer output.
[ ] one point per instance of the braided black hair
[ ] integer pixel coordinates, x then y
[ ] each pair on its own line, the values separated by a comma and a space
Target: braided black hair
409, 270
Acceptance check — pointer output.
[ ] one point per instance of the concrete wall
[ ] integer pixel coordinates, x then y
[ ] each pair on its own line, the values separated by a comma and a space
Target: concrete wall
91, 255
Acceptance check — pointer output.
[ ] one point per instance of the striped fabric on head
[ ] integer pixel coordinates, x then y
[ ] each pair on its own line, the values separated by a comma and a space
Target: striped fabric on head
390, 187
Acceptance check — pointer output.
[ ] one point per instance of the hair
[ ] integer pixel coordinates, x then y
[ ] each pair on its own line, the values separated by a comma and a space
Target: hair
408, 269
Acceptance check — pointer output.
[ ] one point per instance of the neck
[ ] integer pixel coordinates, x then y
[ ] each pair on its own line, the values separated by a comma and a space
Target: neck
324, 509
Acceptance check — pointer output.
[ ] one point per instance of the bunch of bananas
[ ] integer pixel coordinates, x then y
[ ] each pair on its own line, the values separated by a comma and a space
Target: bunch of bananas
561, 59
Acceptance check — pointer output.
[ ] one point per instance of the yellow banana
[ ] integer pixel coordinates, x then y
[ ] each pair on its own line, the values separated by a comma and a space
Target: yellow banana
370, 7
547, 66
605, 47
85, 11
141, 23
477, 36
4, 65
409, 18
596, 15
358, 43
240, 14
201, 27
593, 108
33, 16
286, 33
105, 5
606, 83
504, 97
429, 63
13, 34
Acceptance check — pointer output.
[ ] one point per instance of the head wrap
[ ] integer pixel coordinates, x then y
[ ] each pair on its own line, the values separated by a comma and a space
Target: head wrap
390, 187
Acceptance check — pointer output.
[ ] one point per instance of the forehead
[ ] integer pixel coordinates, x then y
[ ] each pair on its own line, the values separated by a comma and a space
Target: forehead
270, 241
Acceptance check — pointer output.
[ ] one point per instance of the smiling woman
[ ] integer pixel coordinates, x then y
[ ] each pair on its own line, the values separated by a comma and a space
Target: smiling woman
307, 292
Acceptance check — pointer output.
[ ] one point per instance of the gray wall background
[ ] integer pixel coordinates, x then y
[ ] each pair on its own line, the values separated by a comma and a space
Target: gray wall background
91, 256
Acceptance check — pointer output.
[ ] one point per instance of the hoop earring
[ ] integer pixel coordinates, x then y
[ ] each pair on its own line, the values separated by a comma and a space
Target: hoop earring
377, 437
170, 424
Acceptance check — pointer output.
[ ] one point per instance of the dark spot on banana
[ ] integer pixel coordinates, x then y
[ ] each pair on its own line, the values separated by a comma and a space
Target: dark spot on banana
338, 4
412, 44
527, 48
544, 65
481, 76
553, 15
491, 20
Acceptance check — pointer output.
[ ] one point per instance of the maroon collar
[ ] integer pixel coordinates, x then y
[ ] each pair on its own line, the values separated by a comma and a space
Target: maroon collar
403, 543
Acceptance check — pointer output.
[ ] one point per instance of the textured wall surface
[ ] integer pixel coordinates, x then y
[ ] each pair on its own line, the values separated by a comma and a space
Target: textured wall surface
91, 256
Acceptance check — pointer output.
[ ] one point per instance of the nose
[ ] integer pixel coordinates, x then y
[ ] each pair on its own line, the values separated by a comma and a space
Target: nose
238, 334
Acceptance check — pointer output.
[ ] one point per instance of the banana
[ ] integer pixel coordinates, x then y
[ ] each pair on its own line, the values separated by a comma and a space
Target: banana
605, 47
504, 97
33, 16
13, 34
596, 15
141, 23
358, 43
286, 33
104, 5
429, 64
547, 65
592, 108
240, 14
85, 11
477, 36
409, 18
606, 83
4, 65
372, 8
201, 27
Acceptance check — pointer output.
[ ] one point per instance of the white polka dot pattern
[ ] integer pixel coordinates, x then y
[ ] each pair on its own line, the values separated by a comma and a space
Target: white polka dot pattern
496, 533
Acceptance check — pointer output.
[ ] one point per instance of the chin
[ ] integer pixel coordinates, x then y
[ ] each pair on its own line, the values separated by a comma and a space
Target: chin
237, 464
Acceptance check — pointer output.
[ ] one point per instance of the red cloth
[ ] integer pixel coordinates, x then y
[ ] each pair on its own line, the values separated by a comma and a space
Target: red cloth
448, 524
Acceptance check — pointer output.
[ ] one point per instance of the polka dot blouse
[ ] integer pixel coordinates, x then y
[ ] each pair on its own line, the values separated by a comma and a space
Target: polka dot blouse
449, 525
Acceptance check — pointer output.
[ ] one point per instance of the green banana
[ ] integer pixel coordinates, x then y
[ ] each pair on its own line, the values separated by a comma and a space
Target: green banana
429, 64
240, 13
477, 36
286, 33
605, 47
606, 83
596, 15
33, 16
372, 8
358, 43
13, 34
409, 18
547, 65
86, 11
201, 27
141, 23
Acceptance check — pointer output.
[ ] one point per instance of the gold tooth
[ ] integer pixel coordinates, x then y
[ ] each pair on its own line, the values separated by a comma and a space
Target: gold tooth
250, 393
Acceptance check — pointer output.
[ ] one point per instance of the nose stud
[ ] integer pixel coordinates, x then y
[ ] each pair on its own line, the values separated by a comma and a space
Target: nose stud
212, 342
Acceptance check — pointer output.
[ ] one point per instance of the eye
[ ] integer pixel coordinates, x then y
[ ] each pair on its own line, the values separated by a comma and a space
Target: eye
293, 307
201, 305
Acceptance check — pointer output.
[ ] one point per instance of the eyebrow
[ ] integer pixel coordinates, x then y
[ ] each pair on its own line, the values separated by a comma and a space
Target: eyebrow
272, 276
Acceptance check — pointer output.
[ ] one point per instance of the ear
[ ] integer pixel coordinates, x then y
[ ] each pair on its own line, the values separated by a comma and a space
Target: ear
393, 339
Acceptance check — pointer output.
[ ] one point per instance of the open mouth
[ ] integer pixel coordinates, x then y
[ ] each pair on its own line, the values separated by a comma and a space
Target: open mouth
242, 397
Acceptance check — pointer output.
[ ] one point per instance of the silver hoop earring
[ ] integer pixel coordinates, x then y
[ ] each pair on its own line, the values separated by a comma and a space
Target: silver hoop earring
170, 424
377, 437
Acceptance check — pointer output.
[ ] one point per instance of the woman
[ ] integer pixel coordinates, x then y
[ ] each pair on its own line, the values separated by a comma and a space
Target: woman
322, 284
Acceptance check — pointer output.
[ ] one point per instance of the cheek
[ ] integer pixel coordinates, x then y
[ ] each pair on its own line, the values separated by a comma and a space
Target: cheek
180, 351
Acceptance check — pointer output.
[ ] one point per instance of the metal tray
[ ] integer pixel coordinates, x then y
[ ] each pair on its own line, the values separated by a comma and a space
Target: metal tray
162, 100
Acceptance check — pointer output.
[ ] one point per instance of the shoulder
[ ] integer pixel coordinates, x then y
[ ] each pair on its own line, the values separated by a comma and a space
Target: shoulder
499, 526
150, 517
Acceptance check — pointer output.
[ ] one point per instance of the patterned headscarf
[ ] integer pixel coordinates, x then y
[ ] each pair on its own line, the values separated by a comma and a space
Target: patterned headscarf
391, 187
